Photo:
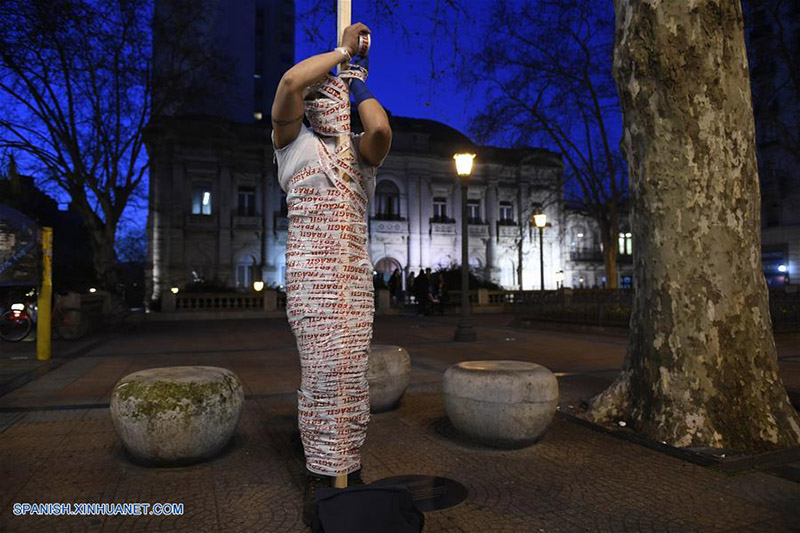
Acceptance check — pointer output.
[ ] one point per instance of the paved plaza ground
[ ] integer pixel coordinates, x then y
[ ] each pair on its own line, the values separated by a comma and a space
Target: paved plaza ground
57, 443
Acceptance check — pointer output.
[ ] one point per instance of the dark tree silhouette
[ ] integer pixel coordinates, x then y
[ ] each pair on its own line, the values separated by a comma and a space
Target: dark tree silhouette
547, 66
77, 86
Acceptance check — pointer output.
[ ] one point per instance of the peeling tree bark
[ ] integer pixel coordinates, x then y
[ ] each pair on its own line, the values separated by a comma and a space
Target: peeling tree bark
701, 368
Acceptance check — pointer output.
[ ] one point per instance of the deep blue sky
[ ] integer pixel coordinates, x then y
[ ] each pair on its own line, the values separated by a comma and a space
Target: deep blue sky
412, 60
403, 58
403, 62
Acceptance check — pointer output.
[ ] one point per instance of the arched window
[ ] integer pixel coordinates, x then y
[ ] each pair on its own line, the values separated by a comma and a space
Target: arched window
245, 272
579, 240
387, 200
625, 247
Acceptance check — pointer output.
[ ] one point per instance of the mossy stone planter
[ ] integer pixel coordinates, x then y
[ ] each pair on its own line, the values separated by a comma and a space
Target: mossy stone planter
176, 415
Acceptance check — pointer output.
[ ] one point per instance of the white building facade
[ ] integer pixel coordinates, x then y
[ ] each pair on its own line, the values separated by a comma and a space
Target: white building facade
218, 216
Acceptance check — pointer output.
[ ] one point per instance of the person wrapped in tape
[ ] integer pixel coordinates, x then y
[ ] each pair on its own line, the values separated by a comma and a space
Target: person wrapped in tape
328, 175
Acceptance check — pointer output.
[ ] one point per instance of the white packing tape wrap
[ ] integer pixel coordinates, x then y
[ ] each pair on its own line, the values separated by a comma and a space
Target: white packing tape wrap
330, 300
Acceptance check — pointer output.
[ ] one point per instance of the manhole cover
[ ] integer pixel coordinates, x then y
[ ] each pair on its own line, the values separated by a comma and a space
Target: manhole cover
430, 493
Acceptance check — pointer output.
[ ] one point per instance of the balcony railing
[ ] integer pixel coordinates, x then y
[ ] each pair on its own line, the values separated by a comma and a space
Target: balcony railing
596, 256
388, 226
388, 216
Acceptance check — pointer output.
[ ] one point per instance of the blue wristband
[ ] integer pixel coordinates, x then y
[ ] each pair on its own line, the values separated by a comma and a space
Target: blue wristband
360, 91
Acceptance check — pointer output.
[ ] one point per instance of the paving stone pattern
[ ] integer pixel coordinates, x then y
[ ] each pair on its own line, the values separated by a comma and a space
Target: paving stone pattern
57, 446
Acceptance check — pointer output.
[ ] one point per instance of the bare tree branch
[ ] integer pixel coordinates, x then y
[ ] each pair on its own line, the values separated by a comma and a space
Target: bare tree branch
553, 83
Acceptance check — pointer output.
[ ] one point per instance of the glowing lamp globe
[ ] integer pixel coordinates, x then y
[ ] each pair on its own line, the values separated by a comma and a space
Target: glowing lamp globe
464, 164
540, 220
258, 286
174, 290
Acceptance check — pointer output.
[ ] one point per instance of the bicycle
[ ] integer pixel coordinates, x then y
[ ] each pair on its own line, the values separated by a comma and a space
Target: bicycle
16, 323
69, 323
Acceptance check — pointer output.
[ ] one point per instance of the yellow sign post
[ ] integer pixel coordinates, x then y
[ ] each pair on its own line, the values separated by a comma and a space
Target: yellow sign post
44, 316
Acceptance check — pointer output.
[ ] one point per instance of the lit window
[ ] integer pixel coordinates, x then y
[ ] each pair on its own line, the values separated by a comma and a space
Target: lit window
439, 209
506, 212
201, 198
625, 244
387, 197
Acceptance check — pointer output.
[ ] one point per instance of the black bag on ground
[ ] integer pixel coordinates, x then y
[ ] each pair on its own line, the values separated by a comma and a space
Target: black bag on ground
367, 509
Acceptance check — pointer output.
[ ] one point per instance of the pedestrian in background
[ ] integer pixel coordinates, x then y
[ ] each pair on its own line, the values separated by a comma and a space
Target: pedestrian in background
396, 287
410, 286
421, 288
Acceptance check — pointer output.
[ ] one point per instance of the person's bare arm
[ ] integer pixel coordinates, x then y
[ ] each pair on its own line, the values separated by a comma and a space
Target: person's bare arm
287, 108
377, 138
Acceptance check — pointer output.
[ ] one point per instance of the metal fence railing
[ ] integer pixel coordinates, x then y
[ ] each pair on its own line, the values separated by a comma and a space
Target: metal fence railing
610, 307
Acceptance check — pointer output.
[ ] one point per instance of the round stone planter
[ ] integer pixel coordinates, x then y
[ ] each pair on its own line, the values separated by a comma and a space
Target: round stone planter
387, 374
176, 415
506, 404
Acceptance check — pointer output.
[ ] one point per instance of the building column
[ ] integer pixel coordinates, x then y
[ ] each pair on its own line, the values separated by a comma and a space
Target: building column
425, 213
164, 172
414, 224
491, 219
224, 268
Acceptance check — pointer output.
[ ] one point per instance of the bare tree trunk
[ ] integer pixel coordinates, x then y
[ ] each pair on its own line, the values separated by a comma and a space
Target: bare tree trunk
701, 367
103, 239
610, 250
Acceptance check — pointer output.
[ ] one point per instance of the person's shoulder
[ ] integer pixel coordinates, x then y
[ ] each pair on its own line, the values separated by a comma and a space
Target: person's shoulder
302, 137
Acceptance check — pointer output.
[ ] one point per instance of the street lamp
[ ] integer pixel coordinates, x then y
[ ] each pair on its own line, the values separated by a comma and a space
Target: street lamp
258, 285
464, 331
541, 221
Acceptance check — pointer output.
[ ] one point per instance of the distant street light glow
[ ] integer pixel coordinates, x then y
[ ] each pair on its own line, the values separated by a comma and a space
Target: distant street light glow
540, 220
782, 268
174, 290
258, 286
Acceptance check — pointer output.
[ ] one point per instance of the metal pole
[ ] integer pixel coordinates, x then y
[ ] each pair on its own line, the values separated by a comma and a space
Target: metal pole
343, 20
519, 257
541, 255
44, 316
464, 331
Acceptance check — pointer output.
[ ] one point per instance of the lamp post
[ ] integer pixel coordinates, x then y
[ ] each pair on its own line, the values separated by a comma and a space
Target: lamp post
541, 221
464, 331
